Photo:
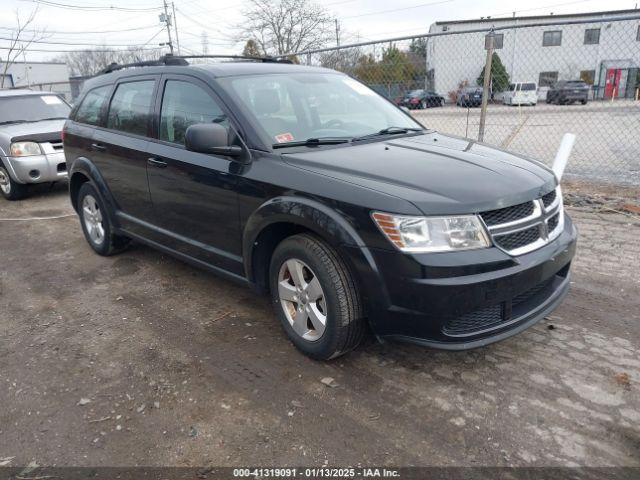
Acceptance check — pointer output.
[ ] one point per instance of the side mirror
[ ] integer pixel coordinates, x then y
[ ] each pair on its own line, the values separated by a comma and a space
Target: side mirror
211, 138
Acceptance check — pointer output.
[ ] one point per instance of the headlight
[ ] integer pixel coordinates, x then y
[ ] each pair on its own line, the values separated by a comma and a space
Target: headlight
432, 234
25, 149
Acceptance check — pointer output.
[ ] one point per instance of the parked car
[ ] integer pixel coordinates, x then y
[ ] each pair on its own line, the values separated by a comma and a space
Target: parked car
567, 92
521, 93
351, 218
469, 97
421, 99
30, 140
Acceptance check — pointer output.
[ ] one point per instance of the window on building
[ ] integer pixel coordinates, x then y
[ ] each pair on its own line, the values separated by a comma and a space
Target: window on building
130, 107
91, 106
547, 79
552, 38
592, 36
185, 104
588, 76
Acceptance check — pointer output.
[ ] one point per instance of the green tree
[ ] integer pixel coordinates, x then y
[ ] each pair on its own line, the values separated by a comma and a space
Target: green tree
499, 75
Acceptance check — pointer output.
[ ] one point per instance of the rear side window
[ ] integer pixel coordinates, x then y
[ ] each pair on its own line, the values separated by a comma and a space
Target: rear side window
527, 87
130, 107
185, 104
91, 106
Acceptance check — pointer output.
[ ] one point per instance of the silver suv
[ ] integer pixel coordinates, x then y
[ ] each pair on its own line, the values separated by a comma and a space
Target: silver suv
30, 140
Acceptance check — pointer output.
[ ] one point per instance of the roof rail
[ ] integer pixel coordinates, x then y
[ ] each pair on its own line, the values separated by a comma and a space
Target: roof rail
181, 60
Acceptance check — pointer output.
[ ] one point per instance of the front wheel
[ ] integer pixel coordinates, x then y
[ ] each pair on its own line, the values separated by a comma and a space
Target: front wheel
315, 298
11, 190
95, 223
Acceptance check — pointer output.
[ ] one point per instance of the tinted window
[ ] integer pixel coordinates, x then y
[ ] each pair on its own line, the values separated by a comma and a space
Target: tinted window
552, 39
32, 108
527, 87
89, 110
185, 104
592, 36
130, 106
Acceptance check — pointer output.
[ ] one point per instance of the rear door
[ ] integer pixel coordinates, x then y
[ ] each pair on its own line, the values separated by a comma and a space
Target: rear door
193, 194
120, 150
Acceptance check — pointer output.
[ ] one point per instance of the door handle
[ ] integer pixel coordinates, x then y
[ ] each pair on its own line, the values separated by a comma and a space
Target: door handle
98, 147
154, 162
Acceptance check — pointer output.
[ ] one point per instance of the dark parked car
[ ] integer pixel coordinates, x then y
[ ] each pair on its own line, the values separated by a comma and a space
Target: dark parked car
421, 99
308, 186
570, 91
469, 97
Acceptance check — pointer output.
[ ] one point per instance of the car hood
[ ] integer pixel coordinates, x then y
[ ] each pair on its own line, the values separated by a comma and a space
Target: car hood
439, 174
37, 130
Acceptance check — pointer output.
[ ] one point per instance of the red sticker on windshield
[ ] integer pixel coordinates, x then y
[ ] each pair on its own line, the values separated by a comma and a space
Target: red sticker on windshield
284, 138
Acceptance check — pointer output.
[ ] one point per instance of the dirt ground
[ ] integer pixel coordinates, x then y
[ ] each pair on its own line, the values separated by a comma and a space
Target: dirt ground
140, 359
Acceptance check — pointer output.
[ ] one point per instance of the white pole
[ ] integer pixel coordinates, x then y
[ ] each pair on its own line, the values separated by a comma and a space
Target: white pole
562, 157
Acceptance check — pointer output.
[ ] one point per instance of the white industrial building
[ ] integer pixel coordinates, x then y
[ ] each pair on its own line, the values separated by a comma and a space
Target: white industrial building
48, 76
606, 54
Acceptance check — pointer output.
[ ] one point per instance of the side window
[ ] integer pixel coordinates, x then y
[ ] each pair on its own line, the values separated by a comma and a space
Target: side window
130, 106
89, 110
185, 104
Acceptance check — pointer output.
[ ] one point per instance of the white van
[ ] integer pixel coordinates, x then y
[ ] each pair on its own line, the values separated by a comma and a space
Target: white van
521, 93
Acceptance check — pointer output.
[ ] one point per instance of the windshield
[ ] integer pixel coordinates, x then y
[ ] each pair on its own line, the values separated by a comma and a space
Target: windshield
32, 108
416, 93
297, 107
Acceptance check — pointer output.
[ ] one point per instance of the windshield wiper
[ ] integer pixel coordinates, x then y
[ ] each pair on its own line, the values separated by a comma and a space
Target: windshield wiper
312, 142
390, 131
7, 122
49, 118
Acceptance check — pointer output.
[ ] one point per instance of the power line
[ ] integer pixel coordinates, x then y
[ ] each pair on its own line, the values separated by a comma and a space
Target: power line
102, 50
98, 32
73, 43
91, 8
393, 10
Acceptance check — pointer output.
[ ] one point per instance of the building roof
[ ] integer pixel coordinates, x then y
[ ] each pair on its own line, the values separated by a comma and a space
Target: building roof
540, 17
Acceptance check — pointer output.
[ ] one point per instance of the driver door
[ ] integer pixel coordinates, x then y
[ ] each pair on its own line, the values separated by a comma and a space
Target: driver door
193, 194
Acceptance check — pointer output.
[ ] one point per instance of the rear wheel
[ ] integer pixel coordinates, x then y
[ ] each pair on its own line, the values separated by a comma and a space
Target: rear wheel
95, 223
315, 297
11, 190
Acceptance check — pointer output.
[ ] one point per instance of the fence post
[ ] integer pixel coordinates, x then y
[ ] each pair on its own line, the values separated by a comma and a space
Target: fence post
488, 45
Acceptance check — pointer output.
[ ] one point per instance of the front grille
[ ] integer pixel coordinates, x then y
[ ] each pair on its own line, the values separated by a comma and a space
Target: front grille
495, 315
508, 214
56, 145
553, 222
549, 198
512, 241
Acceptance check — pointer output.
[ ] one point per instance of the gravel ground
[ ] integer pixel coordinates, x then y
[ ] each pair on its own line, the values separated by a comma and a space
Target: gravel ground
140, 359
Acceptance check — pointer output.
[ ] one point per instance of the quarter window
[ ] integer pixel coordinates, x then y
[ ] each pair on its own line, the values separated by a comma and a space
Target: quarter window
552, 38
91, 106
185, 104
592, 36
130, 107
547, 79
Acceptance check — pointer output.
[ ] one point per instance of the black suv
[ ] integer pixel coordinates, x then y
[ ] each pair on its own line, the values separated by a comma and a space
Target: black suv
306, 184
567, 92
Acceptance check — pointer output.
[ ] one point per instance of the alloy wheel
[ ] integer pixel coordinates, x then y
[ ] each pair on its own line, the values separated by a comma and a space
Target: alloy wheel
92, 217
302, 299
5, 182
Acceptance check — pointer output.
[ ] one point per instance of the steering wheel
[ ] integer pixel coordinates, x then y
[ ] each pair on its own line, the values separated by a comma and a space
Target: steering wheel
334, 123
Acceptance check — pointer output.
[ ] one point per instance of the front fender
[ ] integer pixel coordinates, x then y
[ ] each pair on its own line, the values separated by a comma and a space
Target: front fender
84, 166
327, 224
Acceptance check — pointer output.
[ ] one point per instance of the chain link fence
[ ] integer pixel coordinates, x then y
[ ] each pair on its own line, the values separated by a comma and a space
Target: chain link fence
547, 78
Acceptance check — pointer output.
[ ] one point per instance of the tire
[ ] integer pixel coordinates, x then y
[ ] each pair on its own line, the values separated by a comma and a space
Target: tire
583, 102
337, 300
423, 105
10, 189
95, 223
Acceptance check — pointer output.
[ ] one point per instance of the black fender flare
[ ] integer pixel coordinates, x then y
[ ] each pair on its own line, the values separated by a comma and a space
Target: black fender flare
322, 220
86, 167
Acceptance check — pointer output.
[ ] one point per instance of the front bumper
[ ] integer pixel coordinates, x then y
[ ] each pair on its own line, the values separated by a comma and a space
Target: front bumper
38, 168
464, 300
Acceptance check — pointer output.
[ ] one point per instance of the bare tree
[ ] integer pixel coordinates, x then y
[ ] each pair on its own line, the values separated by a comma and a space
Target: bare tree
21, 37
285, 26
91, 61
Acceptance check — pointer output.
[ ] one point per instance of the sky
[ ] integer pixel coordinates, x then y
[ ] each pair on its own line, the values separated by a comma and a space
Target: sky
72, 24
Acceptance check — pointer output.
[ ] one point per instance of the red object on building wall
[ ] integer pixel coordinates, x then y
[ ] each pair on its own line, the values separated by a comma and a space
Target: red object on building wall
612, 86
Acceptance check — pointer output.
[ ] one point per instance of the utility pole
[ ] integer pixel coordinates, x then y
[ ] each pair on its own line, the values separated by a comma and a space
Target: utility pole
337, 32
488, 45
166, 19
175, 25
